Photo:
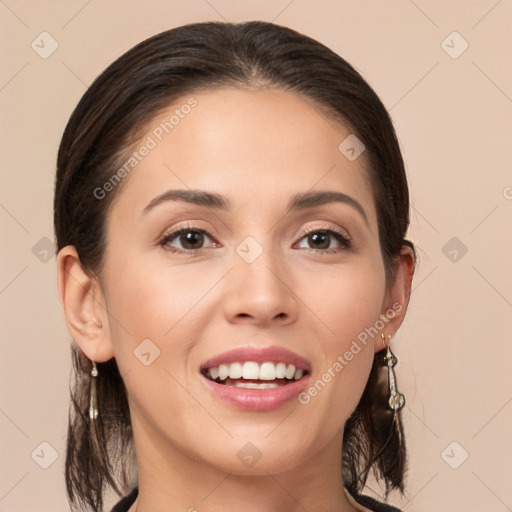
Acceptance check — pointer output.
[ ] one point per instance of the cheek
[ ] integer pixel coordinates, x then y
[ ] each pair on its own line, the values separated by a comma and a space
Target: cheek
348, 302
349, 307
152, 323
150, 301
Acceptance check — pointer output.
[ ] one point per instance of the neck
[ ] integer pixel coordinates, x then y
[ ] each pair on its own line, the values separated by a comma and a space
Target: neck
170, 480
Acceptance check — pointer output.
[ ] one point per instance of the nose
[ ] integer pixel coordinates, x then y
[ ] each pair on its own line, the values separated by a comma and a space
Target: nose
260, 292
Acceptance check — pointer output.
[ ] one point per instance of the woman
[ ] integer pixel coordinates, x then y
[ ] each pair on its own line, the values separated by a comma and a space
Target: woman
230, 213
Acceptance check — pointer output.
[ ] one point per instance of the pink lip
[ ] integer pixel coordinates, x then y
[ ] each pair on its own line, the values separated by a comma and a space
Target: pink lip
259, 355
257, 399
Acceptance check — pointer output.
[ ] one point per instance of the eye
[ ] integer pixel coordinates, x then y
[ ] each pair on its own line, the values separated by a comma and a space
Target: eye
322, 238
190, 238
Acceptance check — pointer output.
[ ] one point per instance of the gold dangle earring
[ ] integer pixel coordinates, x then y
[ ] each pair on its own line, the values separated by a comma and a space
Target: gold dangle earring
396, 399
93, 401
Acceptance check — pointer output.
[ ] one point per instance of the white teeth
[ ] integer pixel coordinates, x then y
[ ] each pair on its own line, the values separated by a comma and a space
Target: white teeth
235, 371
267, 371
223, 371
251, 370
290, 371
280, 370
254, 385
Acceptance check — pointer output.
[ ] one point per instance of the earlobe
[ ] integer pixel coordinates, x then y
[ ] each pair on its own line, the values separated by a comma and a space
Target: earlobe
84, 306
398, 295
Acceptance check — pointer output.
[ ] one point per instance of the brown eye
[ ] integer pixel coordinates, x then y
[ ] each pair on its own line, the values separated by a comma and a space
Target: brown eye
189, 239
321, 239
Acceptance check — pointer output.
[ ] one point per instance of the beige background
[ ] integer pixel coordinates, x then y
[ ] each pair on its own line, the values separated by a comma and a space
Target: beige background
454, 121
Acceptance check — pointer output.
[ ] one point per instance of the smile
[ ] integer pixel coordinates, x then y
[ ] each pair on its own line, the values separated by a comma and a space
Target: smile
250, 374
256, 379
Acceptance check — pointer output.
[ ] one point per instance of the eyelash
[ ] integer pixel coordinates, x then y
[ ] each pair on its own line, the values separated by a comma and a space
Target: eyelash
343, 239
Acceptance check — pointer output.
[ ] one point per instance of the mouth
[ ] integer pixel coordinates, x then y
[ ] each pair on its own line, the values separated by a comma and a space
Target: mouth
256, 379
254, 375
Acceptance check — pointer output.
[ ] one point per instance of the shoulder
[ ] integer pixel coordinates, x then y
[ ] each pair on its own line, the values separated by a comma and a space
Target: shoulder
125, 503
374, 505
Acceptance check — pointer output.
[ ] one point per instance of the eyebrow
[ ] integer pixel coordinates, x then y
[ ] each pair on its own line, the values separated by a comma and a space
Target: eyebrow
299, 201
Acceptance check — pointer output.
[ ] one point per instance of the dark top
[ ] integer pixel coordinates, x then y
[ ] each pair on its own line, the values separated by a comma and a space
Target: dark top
366, 501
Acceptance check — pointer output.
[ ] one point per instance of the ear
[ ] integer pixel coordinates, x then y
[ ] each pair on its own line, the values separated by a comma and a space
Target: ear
397, 296
84, 306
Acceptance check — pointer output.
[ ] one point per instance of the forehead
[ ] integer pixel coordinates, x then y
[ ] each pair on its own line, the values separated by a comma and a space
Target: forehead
259, 146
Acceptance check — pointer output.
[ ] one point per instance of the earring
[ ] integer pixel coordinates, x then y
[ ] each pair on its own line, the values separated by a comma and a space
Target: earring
93, 405
396, 399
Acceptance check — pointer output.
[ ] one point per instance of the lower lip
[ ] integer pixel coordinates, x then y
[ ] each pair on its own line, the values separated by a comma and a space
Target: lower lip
257, 399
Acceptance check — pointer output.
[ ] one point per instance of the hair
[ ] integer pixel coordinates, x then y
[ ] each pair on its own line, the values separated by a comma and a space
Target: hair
104, 125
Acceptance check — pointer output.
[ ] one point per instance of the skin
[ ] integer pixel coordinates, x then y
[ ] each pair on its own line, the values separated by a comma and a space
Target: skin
258, 148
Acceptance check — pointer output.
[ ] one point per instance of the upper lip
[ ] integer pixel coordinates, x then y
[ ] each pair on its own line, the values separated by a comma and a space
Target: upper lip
259, 355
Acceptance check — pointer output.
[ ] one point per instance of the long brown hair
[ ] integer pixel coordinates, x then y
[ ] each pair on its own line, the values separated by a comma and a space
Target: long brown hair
107, 121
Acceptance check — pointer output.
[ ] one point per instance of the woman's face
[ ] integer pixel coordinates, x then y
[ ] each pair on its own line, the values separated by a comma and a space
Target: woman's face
244, 275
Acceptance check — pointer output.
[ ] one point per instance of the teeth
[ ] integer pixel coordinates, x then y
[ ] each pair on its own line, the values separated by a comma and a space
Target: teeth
251, 370
280, 370
223, 371
290, 371
254, 385
235, 371
267, 371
